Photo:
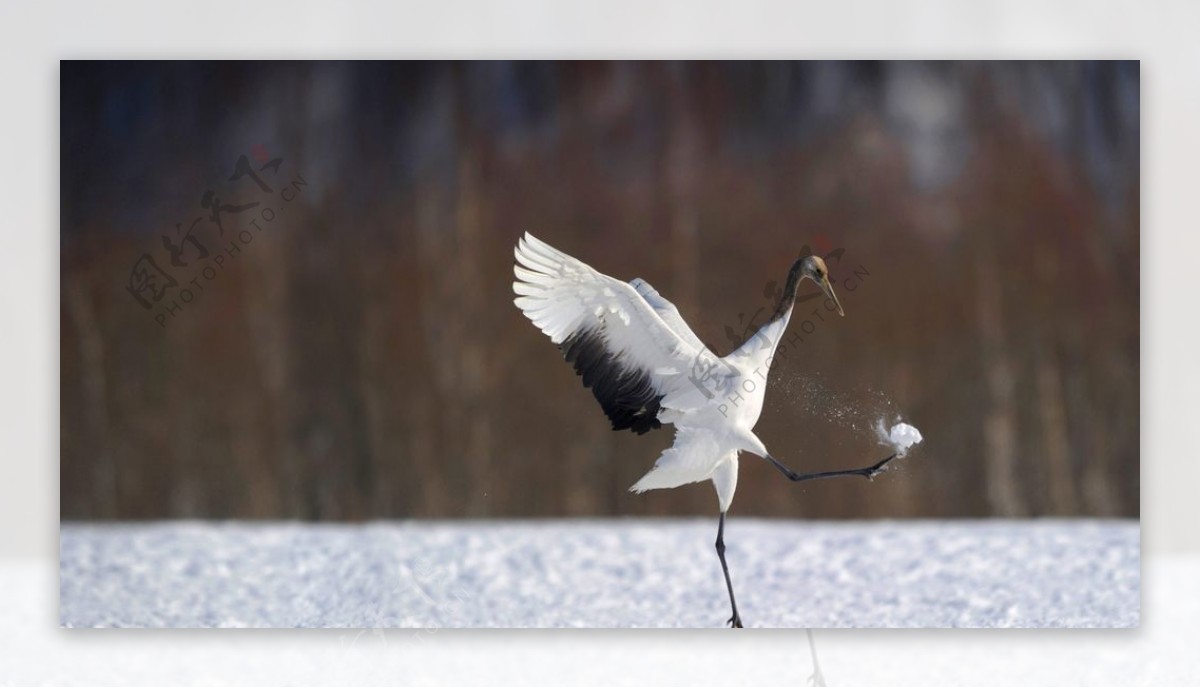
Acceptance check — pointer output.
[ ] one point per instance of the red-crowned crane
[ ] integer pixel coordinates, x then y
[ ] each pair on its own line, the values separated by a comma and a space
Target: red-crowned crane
646, 367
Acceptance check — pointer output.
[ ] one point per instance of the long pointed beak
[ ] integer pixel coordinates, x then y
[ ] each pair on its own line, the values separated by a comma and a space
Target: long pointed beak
828, 289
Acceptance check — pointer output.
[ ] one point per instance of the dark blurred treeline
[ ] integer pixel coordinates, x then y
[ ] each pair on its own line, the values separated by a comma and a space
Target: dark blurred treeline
361, 357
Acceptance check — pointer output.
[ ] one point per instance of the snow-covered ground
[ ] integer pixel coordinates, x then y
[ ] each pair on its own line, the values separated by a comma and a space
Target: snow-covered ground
614, 573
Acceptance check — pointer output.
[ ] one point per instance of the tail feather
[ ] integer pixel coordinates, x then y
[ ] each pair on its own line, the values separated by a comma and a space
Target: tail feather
693, 457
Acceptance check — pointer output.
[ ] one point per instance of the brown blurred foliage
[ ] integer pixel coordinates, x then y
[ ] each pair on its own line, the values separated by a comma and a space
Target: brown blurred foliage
361, 357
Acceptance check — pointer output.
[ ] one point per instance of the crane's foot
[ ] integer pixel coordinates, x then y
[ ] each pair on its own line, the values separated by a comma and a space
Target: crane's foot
878, 468
735, 621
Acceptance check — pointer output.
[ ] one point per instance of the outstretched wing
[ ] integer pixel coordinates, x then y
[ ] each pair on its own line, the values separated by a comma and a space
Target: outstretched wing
634, 363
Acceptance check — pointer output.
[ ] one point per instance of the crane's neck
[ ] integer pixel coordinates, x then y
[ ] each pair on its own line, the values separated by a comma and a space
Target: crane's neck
759, 349
788, 298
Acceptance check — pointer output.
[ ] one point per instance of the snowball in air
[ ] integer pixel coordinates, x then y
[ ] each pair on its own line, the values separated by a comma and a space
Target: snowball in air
901, 436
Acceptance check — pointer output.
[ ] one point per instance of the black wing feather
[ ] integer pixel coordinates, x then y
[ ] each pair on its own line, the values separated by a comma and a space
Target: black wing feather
625, 393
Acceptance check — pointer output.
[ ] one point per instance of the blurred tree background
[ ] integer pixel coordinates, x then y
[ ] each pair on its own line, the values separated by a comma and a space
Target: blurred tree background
360, 357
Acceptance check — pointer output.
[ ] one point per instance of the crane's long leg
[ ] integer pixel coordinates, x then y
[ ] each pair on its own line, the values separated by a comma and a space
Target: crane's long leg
868, 472
735, 620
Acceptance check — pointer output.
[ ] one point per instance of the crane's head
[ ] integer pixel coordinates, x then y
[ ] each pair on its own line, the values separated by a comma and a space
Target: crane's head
813, 267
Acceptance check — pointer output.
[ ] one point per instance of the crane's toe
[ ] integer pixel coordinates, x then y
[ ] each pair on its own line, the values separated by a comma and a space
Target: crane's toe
735, 621
879, 467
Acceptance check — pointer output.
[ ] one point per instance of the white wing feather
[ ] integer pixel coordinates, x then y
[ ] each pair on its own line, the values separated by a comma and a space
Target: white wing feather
667, 311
